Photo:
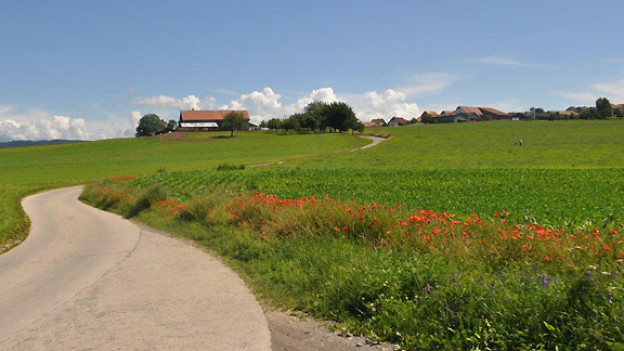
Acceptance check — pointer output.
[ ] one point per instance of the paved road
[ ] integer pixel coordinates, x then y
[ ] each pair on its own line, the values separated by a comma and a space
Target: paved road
88, 279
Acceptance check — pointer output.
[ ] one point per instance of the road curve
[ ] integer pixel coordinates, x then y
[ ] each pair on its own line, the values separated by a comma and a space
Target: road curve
88, 279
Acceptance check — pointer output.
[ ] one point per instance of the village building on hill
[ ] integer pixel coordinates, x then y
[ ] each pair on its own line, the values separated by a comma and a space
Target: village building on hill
377, 122
468, 114
205, 120
397, 121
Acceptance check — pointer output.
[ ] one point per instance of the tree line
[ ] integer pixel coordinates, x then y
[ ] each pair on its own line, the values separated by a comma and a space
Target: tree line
602, 110
151, 124
318, 116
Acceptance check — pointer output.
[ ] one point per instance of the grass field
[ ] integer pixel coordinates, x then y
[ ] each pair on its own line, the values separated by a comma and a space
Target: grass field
29, 169
546, 144
444, 237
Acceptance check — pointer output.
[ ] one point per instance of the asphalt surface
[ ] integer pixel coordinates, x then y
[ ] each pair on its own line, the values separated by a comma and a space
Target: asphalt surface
87, 279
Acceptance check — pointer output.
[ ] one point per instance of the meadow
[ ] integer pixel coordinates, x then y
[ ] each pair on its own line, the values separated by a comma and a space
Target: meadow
443, 237
27, 170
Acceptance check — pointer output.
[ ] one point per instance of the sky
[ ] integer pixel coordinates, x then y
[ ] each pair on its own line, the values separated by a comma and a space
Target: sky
90, 69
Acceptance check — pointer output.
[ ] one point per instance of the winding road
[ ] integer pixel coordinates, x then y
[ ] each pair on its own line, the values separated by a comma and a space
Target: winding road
88, 279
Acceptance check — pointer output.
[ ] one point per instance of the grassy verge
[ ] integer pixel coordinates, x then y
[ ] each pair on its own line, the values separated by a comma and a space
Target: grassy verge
424, 280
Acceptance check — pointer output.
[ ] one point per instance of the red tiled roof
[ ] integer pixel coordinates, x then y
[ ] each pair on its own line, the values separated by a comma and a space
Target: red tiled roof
446, 113
430, 113
468, 110
379, 120
199, 115
494, 111
400, 120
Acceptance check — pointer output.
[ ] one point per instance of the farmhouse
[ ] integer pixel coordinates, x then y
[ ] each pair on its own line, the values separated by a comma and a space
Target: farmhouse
397, 121
377, 122
206, 120
468, 114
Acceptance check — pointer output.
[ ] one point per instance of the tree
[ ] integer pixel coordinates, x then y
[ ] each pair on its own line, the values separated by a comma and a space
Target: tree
274, 124
340, 116
359, 127
316, 110
604, 108
172, 125
263, 124
150, 124
425, 118
291, 123
234, 121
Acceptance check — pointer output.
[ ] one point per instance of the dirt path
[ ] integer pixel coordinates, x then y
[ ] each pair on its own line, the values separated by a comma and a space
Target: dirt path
376, 141
88, 279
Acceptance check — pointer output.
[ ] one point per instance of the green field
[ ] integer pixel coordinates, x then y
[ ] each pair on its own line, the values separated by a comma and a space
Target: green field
546, 144
546, 275
29, 169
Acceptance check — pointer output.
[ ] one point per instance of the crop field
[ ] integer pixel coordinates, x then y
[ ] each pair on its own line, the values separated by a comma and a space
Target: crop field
560, 197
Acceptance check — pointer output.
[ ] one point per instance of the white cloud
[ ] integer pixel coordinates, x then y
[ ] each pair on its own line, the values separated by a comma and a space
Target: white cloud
430, 83
185, 103
505, 61
586, 98
326, 94
511, 105
614, 90
260, 104
18, 123
13, 126
384, 105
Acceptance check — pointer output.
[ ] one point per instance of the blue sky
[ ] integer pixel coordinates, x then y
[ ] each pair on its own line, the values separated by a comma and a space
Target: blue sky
90, 69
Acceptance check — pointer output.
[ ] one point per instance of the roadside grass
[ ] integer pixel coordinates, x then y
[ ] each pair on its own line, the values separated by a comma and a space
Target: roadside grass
30, 169
424, 280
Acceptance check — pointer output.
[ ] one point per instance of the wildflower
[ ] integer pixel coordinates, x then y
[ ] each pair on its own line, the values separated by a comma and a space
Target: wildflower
505, 213
335, 228
496, 214
606, 248
547, 259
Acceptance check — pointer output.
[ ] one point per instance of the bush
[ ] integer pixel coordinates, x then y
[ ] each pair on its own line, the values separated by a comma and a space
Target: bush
228, 167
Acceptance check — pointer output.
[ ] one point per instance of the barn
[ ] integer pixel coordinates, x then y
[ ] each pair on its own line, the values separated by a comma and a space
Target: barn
206, 119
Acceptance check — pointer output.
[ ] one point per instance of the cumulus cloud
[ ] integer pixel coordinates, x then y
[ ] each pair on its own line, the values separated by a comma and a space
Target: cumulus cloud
54, 127
326, 95
384, 105
266, 104
185, 103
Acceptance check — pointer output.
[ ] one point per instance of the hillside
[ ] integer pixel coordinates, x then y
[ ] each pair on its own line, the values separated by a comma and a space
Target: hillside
26, 170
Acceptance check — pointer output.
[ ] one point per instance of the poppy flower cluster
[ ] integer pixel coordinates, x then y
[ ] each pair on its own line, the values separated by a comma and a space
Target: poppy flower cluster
495, 239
